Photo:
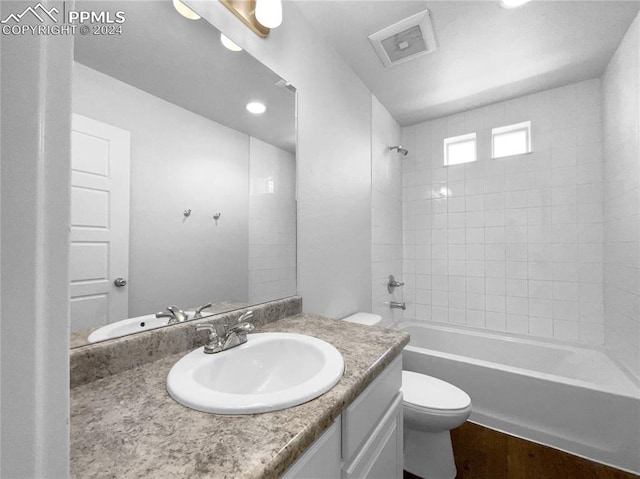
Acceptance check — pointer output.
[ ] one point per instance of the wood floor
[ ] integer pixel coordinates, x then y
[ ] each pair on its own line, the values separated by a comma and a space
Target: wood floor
483, 453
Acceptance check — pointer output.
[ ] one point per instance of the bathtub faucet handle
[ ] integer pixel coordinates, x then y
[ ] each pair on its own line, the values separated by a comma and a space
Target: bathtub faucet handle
393, 284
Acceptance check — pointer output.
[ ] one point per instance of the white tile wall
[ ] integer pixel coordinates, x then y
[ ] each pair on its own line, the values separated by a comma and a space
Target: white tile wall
272, 222
514, 244
621, 84
386, 212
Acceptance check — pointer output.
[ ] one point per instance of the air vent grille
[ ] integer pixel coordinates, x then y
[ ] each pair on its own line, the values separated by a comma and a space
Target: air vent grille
405, 40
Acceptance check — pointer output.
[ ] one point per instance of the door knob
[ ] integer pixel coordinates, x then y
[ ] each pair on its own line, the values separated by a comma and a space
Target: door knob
120, 282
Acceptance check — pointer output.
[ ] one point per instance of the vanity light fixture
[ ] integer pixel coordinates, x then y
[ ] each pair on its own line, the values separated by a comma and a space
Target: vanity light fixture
245, 11
256, 108
269, 13
228, 44
513, 3
185, 11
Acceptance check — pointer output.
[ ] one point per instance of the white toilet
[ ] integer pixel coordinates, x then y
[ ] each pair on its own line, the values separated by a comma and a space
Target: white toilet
432, 408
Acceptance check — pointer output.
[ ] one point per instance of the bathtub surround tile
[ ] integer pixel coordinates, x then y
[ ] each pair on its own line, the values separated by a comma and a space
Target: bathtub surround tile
495, 321
475, 319
439, 314
621, 202
593, 333
530, 226
272, 223
127, 426
457, 315
95, 361
387, 208
541, 326
517, 323
541, 308
566, 330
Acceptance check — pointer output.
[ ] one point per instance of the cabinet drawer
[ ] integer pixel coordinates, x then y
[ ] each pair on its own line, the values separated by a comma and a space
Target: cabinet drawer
361, 417
381, 455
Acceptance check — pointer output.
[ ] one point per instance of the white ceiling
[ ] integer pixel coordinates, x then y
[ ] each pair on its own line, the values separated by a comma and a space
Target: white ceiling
485, 53
183, 62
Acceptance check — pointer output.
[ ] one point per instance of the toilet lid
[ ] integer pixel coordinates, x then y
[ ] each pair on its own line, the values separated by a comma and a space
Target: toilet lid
424, 391
367, 319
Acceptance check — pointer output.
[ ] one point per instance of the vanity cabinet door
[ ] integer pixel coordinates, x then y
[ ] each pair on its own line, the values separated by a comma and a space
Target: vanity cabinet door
381, 456
366, 412
322, 460
365, 442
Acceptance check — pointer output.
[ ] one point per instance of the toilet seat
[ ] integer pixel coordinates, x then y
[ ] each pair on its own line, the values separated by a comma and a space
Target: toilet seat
431, 395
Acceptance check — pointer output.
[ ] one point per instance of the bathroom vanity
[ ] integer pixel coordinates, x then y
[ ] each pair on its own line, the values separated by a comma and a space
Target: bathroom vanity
366, 440
126, 425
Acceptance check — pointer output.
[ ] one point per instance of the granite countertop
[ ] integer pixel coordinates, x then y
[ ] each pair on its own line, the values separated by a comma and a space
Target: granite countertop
127, 426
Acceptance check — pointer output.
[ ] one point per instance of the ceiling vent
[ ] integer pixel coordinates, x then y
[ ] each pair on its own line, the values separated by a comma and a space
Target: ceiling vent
405, 40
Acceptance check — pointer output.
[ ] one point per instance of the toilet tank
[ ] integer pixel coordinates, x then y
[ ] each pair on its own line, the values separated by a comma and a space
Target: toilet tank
368, 319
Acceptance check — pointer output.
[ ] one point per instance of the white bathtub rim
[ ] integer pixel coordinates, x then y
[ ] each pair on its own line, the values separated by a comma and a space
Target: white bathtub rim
631, 390
500, 335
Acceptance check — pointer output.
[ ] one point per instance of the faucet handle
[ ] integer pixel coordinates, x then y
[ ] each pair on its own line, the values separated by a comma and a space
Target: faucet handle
207, 327
170, 315
242, 328
245, 317
178, 313
392, 284
199, 310
213, 338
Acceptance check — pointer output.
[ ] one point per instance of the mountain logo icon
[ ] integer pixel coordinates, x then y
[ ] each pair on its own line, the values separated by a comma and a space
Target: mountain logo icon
41, 16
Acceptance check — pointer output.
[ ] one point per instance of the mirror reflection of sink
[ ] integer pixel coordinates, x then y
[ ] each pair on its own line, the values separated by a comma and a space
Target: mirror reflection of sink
271, 371
128, 326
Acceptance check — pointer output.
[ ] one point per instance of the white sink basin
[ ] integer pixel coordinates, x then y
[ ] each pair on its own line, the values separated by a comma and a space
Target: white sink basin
271, 371
128, 326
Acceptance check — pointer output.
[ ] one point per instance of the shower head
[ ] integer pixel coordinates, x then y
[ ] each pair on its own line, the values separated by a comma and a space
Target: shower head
399, 149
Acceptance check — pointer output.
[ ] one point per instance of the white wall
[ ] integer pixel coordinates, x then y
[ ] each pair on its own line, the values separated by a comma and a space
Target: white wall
621, 85
272, 222
517, 245
179, 160
333, 159
334, 236
386, 212
34, 221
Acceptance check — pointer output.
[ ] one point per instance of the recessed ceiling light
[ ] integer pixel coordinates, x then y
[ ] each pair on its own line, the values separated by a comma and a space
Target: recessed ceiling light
185, 11
229, 44
256, 108
513, 3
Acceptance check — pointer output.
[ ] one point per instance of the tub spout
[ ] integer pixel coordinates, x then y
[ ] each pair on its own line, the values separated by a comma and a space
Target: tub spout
397, 305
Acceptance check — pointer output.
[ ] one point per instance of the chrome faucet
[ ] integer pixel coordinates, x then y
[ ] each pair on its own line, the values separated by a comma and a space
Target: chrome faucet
397, 305
199, 310
175, 315
392, 284
232, 337
214, 342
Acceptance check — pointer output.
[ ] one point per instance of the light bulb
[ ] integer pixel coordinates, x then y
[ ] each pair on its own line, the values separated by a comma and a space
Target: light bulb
229, 44
256, 108
513, 3
185, 11
269, 13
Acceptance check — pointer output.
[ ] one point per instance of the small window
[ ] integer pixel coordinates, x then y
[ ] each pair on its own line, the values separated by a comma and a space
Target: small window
511, 140
460, 149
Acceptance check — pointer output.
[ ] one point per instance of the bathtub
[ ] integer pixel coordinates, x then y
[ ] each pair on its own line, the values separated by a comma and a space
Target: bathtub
571, 398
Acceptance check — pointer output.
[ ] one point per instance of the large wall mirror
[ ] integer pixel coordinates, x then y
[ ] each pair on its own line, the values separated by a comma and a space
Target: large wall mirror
180, 195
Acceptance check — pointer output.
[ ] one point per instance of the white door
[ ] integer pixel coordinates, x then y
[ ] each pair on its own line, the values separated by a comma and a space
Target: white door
99, 222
